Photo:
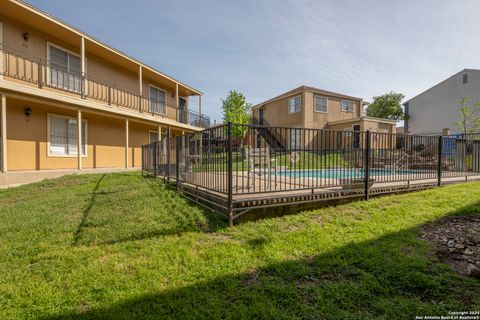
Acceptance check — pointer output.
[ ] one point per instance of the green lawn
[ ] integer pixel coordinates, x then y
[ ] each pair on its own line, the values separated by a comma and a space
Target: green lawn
310, 160
118, 246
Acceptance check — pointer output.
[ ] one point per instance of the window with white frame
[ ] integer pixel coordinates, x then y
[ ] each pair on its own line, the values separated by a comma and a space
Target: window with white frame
64, 70
321, 104
347, 105
157, 100
63, 136
294, 104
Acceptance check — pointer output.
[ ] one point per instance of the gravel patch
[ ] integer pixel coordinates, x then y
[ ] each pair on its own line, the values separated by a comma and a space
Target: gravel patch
457, 243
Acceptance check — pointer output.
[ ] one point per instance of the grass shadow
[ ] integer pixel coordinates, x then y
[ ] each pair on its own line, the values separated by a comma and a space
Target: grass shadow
127, 207
395, 276
86, 212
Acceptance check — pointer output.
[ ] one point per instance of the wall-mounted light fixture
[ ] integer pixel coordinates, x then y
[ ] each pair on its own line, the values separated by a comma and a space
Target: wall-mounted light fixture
28, 112
26, 36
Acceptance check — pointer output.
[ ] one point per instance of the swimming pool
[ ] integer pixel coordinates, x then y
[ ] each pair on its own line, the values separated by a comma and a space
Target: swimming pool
347, 173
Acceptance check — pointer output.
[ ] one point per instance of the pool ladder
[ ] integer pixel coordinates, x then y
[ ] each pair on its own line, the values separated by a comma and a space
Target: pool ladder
398, 164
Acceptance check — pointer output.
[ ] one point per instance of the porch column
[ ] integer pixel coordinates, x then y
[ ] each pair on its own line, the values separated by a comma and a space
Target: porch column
177, 103
126, 143
3, 116
176, 96
200, 107
159, 133
140, 85
82, 67
79, 139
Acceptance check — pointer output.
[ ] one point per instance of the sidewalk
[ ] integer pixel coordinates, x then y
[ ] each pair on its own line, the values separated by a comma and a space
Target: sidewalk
18, 178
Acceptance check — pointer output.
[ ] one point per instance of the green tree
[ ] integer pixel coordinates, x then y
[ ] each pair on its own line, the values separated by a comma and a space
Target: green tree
387, 106
237, 110
468, 118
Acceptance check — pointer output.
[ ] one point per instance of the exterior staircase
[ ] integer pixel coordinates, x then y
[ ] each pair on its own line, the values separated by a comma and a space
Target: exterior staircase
269, 134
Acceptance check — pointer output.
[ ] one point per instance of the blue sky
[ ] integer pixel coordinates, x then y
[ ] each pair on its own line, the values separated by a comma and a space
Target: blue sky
265, 47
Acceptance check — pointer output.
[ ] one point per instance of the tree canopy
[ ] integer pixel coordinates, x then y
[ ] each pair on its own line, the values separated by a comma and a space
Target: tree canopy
236, 109
387, 106
468, 118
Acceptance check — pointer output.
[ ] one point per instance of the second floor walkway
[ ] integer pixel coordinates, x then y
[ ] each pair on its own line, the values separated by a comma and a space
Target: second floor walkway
23, 67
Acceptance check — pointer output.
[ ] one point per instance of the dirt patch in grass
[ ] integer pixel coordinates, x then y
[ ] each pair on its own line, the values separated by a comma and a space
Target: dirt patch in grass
252, 278
457, 243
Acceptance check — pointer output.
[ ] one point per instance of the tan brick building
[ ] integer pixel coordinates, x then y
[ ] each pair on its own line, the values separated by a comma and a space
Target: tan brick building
312, 108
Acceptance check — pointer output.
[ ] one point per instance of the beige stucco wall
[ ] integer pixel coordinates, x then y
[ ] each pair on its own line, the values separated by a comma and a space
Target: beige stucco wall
27, 147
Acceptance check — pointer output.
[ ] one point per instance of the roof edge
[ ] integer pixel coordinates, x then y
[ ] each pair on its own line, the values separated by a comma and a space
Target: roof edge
304, 88
374, 119
441, 82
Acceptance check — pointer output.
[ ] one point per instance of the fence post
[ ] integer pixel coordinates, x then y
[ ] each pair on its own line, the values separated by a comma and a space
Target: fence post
178, 143
155, 159
440, 160
230, 174
367, 164
167, 137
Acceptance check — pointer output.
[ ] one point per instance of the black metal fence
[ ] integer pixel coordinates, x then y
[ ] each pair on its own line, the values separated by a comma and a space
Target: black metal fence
232, 161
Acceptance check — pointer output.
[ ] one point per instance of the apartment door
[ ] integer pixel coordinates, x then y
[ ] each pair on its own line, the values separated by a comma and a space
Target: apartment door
356, 136
182, 103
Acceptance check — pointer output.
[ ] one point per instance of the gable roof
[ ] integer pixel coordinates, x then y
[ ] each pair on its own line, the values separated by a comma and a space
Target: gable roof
306, 89
452, 76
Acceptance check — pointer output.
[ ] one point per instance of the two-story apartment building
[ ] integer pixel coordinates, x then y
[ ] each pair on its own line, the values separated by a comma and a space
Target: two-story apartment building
308, 107
58, 83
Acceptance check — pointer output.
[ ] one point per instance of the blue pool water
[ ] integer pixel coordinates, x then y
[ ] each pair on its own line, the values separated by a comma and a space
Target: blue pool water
345, 173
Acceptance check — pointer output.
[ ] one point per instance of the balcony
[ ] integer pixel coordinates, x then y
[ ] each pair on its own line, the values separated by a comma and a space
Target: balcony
36, 71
